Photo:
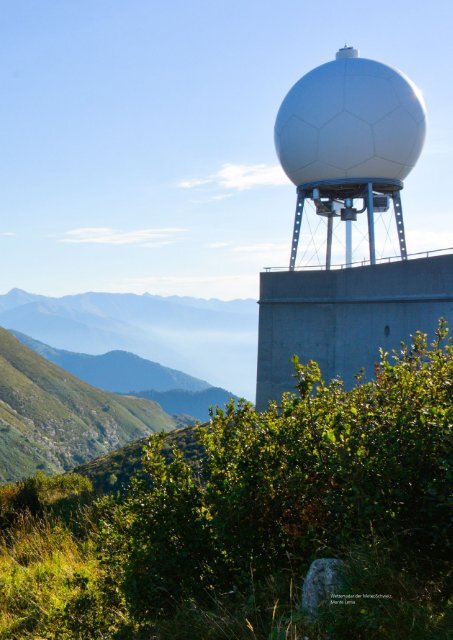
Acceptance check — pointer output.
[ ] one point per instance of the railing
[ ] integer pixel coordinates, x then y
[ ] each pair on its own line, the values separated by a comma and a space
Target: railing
363, 263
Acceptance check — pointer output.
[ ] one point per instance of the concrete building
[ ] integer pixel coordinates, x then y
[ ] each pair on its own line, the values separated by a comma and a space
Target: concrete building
340, 318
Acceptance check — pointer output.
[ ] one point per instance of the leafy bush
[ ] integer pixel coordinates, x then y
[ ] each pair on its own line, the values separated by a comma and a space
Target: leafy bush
159, 541
319, 472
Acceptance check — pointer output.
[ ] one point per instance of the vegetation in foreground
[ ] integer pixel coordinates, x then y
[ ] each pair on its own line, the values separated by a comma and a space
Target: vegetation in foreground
219, 550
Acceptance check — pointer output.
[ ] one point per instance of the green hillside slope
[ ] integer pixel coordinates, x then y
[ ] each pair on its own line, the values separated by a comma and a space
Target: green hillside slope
52, 421
115, 469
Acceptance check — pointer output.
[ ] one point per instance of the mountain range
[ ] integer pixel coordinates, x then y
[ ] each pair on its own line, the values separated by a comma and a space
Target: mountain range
209, 339
123, 372
51, 421
116, 371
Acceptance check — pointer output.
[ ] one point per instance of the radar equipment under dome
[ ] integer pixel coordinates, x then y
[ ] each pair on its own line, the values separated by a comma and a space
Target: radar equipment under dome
347, 134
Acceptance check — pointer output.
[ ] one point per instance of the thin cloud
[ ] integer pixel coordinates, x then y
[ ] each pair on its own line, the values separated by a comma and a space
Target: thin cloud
222, 196
7, 234
260, 247
203, 199
262, 253
241, 177
197, 182
218, 245
254, 252
109, 236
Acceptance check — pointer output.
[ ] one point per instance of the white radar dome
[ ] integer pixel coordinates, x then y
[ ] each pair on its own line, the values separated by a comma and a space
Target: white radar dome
350, 118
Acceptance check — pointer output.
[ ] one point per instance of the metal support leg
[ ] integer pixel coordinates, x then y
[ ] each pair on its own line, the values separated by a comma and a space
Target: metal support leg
370, 214
399, 224
297, 226
348, 242
329, 242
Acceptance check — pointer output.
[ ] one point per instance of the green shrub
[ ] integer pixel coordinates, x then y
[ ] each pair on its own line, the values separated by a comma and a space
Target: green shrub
159, 542
332, 467
319, 472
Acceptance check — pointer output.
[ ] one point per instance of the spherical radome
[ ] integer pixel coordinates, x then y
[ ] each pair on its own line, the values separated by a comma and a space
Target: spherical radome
350, 118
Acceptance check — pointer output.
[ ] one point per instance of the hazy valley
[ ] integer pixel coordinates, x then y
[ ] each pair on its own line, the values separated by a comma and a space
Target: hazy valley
127, 373
208, 339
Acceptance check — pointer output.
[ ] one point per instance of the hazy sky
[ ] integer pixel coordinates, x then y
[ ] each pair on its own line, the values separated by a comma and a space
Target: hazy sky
137, 136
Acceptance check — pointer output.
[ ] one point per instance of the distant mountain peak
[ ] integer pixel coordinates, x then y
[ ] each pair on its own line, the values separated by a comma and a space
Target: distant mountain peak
15, 291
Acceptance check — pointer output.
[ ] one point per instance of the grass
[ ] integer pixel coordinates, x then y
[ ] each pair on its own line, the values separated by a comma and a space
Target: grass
53, 586
39, 561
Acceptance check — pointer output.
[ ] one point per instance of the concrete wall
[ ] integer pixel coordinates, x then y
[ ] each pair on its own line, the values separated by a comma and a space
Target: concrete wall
340, 318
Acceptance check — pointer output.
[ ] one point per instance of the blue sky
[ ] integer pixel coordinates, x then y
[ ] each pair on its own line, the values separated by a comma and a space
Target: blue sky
137, 137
